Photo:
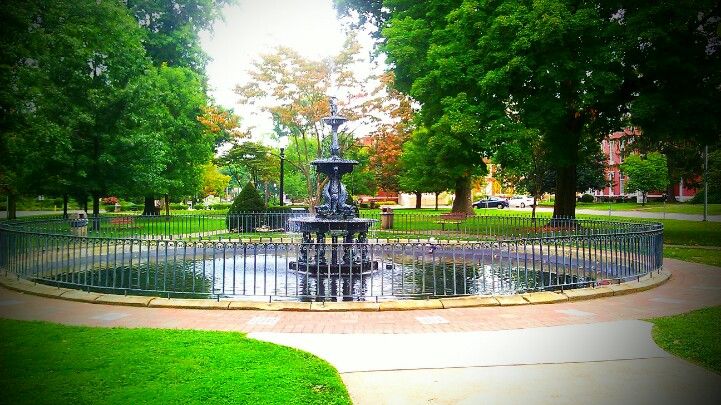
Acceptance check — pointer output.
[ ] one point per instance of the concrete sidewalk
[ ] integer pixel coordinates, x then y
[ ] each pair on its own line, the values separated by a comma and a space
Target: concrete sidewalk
612, 362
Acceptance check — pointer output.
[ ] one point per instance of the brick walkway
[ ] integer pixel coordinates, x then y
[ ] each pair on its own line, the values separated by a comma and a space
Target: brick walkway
691, 286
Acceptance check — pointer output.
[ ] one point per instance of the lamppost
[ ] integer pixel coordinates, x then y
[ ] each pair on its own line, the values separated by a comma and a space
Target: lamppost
283, 143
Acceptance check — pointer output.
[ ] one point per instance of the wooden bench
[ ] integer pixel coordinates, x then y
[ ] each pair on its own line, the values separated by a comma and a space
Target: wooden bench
452, 218
124, 222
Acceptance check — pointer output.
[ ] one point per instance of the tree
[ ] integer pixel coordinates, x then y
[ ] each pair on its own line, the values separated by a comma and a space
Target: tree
415, 176
162, 107
260, 161
478, 67
524, 163
675, 49
172, 29
389, 137
294, 91
646, 174
67, 63
214, 182
248, 200
362, 180
713, 180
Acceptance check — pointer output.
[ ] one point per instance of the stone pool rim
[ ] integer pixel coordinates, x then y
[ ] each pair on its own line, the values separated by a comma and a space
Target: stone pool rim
643, 283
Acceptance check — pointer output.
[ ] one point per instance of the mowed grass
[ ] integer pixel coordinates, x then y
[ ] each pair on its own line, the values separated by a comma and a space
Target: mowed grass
696, 255
695, 336
45, 363
675, 208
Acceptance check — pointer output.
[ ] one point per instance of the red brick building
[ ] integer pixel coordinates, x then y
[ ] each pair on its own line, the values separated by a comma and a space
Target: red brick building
616, 147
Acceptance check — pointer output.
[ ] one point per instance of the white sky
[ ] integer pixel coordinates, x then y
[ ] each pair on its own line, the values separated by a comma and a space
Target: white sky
253, 27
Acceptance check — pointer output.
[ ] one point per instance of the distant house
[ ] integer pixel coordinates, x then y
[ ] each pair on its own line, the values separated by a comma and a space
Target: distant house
616, 147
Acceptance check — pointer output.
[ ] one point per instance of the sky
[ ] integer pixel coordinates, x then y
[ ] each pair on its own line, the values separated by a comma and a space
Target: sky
254, 27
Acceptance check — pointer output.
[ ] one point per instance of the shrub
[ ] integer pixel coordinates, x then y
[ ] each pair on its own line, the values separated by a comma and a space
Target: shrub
587, 198
178, 206
110, 200
220, 206
248, 200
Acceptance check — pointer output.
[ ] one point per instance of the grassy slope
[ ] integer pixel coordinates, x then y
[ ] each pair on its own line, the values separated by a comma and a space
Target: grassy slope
695, 336
46, 363
696, 255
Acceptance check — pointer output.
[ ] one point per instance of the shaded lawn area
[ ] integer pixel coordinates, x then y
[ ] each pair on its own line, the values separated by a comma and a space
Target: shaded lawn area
694, 336
676, 208
48, 363
696, 255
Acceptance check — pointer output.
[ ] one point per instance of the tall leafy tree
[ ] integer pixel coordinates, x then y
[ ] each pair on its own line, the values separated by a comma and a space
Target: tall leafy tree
646, 173
163, 106
418, 156
67, 63
172, 29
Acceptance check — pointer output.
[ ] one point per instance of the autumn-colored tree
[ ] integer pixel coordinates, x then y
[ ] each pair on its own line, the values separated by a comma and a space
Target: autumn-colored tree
295, 90
388, 139
223, 123
214, 182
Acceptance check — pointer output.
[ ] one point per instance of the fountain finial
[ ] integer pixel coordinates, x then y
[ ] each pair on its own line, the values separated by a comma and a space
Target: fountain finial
333, 106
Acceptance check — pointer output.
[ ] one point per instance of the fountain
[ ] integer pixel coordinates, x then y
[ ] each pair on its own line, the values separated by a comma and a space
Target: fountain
334, 218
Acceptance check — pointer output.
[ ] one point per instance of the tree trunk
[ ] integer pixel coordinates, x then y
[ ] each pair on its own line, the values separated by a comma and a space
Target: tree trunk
670, 197
65, 205
167, 207
462, 202
437, 200
96, 212
12, 206
149, 206
565, 204
419, 196
85, 204
533, 209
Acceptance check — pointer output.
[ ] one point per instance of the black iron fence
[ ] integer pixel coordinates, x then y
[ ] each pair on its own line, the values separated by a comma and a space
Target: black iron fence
255, 255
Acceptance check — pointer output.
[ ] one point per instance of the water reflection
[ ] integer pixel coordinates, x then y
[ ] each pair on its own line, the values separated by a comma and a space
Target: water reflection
264, 275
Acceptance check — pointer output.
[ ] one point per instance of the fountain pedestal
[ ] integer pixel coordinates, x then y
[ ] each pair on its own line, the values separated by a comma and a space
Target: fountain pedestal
334, 218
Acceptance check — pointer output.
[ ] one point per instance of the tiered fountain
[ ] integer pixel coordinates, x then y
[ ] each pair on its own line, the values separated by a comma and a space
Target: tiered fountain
334, 218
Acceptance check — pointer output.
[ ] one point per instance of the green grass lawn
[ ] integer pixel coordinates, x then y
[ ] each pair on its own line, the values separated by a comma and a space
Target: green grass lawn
694, 336
695, 255
678, 208
47, 363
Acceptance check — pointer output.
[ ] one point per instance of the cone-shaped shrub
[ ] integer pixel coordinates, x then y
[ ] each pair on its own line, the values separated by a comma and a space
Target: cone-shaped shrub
248, 200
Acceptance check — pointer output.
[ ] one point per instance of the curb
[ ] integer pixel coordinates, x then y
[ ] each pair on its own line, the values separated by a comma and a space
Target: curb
535, 298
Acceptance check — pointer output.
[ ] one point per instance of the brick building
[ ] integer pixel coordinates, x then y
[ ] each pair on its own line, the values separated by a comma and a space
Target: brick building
616, 147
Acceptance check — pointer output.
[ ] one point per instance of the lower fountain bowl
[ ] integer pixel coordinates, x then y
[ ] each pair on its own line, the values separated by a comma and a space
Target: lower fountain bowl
334, 269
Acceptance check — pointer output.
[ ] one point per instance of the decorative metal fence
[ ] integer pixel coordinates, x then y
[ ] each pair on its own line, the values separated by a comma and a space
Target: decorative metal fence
255, 256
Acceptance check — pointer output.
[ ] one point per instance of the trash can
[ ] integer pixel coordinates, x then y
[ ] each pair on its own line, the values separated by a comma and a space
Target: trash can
78, 224
386, 218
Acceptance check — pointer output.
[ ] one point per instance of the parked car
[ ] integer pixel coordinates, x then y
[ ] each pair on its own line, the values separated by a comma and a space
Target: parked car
522, 201
491, 202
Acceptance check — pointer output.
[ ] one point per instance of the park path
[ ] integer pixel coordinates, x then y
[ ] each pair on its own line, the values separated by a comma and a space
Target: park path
595, 351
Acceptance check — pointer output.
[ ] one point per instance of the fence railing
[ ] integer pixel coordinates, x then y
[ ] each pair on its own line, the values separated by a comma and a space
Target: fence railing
481, 255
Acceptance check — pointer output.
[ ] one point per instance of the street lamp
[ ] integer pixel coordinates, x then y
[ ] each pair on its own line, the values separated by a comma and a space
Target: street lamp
283, 143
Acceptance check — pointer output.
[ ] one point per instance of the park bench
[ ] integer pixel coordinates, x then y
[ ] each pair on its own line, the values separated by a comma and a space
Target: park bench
122, 222
452, 218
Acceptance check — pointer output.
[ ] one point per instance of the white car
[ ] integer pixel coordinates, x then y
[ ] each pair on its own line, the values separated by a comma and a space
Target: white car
522, 201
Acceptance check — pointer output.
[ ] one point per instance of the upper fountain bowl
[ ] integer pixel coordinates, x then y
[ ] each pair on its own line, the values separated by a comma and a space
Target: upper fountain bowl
335, 121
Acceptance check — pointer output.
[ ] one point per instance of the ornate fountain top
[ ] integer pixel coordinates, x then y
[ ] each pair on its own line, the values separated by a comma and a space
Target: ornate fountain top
333, 106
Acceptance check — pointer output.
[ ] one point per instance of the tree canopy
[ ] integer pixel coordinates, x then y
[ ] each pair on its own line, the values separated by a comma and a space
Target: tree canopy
485, 71
646, 173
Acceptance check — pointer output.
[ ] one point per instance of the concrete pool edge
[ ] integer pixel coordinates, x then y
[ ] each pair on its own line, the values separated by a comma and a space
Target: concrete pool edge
644, 283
